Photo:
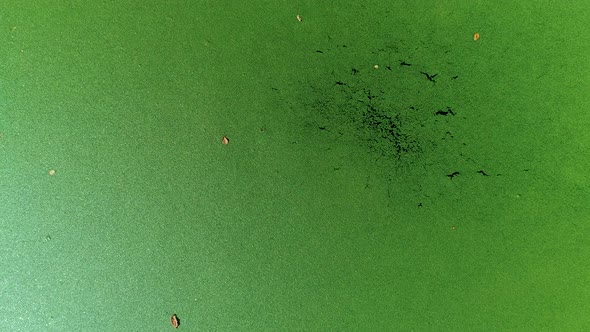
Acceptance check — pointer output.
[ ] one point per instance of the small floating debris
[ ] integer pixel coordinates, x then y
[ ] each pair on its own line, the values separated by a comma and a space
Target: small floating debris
224, 140
299, 18
476, 36
51, 172
175, 321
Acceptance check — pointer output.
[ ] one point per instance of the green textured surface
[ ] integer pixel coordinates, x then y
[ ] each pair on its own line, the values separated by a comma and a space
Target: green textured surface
331, 208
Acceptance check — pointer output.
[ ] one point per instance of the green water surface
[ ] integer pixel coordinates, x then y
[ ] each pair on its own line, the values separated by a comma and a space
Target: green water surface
384, 172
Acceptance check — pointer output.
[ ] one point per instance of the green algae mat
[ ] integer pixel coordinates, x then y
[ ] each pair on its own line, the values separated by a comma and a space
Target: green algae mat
294, 166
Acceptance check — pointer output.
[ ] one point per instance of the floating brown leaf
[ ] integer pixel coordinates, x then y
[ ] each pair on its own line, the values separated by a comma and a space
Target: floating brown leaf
175, 321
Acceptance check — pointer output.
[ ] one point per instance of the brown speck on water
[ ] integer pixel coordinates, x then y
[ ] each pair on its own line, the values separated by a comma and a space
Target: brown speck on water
224, 140
175, 321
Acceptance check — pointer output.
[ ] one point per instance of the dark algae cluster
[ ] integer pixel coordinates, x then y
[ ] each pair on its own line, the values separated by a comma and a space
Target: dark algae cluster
396, 108
391, 107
